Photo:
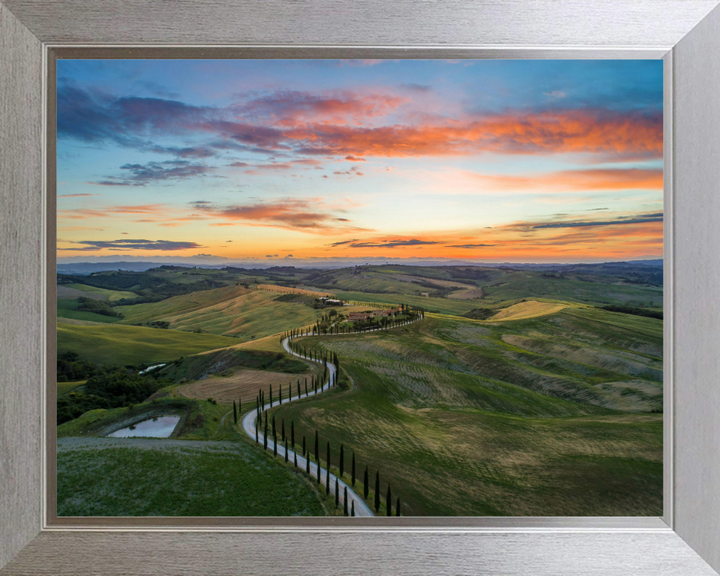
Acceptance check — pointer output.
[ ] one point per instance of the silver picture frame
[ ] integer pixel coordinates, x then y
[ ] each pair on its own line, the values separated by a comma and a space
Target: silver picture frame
685, 34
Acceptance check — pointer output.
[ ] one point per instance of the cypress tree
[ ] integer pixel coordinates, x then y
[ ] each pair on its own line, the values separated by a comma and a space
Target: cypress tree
286, 451
303, 445
257, 439
307, 463
306, 392
345, 508
266, 435
342, 460
388, 501
274, 428
234, 412
377, 491
295, 453
337, 493
292, 434
366, 484
298, 386
352, 509
280, 394
353, 469
317, 455
283, 428
327, 473
270, 395
274, 443
397, 507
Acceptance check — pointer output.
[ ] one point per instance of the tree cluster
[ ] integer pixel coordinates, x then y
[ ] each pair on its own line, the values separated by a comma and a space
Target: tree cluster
97, 307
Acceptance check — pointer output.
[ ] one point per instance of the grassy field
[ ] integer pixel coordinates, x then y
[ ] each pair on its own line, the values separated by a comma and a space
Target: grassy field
110, 295
286, 290
483, 286
243, 384
67, 387
132, 345
524, 284
441, 305
68, 309
525, 310
549, 407
246, 314
103, 478
462, 422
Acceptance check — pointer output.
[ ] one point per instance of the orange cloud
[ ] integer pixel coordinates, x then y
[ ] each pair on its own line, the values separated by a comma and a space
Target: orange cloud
578, 180
291, 107
84, 213
292, 214
620, 135
611, 133
626, 237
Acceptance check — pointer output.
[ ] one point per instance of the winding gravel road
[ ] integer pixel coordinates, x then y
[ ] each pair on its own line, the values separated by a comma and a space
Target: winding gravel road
361, 509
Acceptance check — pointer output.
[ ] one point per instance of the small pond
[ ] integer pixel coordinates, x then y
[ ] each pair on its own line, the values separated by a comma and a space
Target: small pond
158, 427
151, 368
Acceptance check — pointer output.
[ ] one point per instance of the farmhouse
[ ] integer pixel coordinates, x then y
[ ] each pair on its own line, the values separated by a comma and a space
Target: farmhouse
359, 316
330, 301
378, 313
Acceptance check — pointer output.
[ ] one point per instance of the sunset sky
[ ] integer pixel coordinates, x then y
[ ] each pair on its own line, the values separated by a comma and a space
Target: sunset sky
330, 161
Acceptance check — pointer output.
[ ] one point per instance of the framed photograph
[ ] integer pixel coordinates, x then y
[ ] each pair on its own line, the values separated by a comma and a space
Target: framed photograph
452, 303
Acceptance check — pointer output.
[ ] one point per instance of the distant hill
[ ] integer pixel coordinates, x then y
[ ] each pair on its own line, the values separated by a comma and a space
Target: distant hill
90, 267
134, 266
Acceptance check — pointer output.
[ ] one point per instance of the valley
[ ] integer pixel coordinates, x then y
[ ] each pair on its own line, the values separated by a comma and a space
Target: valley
490, 391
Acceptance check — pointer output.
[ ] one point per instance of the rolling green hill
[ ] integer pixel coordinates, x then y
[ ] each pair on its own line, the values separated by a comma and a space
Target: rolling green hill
543, 416
111, 295
246, 314
132, 345
442, 305
593, 290
69, 309
539, 403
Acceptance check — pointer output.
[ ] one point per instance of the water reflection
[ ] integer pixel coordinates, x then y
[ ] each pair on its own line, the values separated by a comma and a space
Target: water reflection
158, 427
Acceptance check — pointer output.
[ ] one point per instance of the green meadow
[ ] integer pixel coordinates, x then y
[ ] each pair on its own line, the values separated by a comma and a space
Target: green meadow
110, 295
537, 403
68, 309
232, 311
132, 345
162, 478
462, 422
441, 305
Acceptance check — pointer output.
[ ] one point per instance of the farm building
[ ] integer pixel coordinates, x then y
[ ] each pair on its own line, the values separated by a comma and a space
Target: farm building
358, 316
377, 313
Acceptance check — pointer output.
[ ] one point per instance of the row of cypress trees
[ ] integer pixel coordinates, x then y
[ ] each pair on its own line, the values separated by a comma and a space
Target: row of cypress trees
290, 444
413, 313
315, 385
333, 358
